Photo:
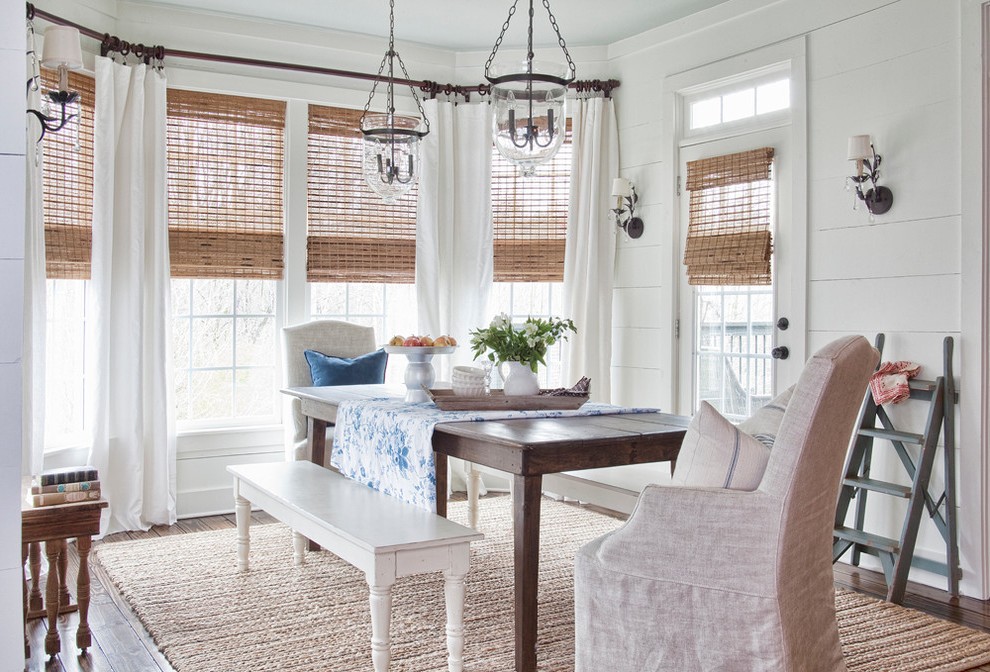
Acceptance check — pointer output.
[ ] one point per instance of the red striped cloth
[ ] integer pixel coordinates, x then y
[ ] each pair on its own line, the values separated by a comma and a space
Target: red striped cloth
889, 384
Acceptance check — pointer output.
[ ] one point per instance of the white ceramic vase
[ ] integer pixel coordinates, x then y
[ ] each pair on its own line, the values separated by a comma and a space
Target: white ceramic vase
520, 381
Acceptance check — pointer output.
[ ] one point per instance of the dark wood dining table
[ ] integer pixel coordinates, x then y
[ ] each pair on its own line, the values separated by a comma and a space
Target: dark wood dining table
527, 449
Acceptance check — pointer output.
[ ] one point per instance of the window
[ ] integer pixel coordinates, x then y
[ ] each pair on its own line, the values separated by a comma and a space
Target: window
529, 216
737, 104
67, 175
225, 190
361, 252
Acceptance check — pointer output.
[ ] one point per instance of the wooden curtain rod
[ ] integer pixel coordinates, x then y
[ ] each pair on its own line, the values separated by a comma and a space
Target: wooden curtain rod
110, 43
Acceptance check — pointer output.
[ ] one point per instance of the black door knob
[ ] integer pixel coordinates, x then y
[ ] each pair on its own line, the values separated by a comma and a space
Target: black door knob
783, 323
780, 352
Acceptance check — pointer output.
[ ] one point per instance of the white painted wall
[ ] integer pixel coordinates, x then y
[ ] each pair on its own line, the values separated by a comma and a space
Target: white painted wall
12, 118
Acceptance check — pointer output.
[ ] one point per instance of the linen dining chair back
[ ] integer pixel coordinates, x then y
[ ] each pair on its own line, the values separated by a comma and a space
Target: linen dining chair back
331, 337
718, 579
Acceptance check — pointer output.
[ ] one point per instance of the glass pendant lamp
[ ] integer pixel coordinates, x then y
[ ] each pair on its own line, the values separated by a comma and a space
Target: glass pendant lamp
530, 99
391, 141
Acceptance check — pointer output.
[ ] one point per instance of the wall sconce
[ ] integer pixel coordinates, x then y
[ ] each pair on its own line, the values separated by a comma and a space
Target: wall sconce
625, 204
878, 199
62, 52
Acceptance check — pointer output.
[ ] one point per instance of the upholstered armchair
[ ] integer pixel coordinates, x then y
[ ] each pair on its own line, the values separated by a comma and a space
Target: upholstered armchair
331, 337
705, 578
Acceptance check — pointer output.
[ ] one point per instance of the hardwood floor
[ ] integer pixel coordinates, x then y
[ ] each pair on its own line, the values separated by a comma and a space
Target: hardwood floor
121, 644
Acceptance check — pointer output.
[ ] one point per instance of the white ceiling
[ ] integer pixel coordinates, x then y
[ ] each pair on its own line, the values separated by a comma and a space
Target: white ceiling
464, 25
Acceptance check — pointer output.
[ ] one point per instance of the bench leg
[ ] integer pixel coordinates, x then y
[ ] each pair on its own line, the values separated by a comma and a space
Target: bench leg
242, 513
473, 490
453, 590
381, 620
299, 543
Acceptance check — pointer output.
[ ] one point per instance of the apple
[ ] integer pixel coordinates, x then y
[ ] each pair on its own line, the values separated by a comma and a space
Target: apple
441, 342
426, 341
412, 342
397, 340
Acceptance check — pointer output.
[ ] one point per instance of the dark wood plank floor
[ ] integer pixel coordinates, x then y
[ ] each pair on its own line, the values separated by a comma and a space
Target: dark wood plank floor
121, 644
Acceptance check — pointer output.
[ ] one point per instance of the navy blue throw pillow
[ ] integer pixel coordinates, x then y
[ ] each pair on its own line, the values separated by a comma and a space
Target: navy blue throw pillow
363, 370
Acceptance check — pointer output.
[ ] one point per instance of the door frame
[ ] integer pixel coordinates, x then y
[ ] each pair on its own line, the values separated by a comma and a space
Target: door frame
789, 54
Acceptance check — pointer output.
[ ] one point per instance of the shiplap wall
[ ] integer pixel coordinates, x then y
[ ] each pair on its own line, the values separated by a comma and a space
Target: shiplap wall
12, 144
890, 69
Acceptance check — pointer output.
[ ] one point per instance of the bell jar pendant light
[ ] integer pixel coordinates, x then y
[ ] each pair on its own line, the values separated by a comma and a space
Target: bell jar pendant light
391, 141
530, 99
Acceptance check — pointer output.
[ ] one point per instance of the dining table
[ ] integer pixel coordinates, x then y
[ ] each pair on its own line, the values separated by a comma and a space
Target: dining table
526, 449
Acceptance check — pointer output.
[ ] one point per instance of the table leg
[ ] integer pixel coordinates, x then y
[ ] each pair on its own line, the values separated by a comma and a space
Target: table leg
440, 466
24, 557
84, 638
317, 452
53, 548
63, 580
35, 603
317, 441
526, 525
473, 490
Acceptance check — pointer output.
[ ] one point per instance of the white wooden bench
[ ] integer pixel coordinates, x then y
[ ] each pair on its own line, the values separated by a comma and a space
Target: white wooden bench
378, 534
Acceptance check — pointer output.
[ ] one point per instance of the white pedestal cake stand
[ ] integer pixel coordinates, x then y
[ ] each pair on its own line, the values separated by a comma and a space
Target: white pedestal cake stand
419, 371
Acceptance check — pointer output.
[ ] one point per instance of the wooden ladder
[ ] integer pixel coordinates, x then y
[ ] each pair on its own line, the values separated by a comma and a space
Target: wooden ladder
897, 555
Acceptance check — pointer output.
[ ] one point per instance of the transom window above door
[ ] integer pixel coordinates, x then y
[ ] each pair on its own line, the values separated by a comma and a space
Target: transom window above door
765, 97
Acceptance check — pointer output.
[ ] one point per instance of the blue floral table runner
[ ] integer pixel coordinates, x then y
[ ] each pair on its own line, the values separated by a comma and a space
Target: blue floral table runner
387, 444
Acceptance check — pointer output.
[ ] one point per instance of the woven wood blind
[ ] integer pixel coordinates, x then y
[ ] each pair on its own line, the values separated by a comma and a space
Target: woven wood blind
529, 217
728, 240
352, 236
67, 183
225, 177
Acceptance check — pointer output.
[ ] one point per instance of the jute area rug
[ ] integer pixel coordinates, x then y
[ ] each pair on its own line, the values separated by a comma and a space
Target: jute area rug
206, 617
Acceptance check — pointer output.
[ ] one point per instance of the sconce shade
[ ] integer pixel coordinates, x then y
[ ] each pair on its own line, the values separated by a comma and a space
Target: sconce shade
621, 187
860, 147
62, 48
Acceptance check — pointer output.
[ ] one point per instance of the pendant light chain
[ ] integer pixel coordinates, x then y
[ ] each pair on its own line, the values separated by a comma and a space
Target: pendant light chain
560, 39
501, 36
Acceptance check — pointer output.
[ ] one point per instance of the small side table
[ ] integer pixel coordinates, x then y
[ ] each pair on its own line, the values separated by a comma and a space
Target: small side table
55, 525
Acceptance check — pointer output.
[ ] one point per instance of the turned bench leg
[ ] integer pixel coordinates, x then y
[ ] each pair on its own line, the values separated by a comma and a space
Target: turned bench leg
381, 621
242, 513
299, 544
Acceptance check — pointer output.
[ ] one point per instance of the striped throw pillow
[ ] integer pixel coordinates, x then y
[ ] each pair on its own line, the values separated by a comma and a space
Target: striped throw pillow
716, 453
765, 422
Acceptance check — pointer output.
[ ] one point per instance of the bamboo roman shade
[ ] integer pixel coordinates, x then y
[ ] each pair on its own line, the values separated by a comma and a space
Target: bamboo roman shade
529, 218
68, 186
225, 194
728, 239
352, 235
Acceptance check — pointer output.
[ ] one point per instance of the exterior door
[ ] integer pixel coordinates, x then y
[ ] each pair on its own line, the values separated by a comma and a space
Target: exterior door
734, 349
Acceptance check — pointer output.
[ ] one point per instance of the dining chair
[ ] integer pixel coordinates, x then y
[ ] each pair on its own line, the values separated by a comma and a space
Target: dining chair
331, 337
708, 578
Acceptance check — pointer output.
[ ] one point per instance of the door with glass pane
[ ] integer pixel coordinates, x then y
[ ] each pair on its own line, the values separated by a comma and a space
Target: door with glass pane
728, 320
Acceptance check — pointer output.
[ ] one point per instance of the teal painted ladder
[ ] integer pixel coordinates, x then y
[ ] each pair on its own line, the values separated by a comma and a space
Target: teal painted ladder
897, 555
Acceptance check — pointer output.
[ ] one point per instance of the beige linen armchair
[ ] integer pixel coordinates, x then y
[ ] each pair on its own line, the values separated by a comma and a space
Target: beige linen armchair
714, 579
331, 337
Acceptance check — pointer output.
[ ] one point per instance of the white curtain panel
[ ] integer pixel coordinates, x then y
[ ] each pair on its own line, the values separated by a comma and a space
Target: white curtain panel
589, 260
128, 358
454, 225
33, 353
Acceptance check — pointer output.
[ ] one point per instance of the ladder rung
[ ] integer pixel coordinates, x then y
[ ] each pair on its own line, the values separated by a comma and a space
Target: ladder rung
922, 385
891, 435
878, 486
867, 539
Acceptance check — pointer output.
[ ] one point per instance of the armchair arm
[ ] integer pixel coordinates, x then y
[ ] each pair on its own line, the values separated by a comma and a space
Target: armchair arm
709, 537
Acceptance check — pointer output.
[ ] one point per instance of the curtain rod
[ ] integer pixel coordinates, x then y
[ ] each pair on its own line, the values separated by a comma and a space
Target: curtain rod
110, 43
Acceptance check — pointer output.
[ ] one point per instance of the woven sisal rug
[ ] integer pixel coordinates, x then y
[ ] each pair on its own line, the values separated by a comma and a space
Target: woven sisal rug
206, 617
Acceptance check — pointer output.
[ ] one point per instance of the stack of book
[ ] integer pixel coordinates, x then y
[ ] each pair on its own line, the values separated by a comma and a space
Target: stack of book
62, 486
